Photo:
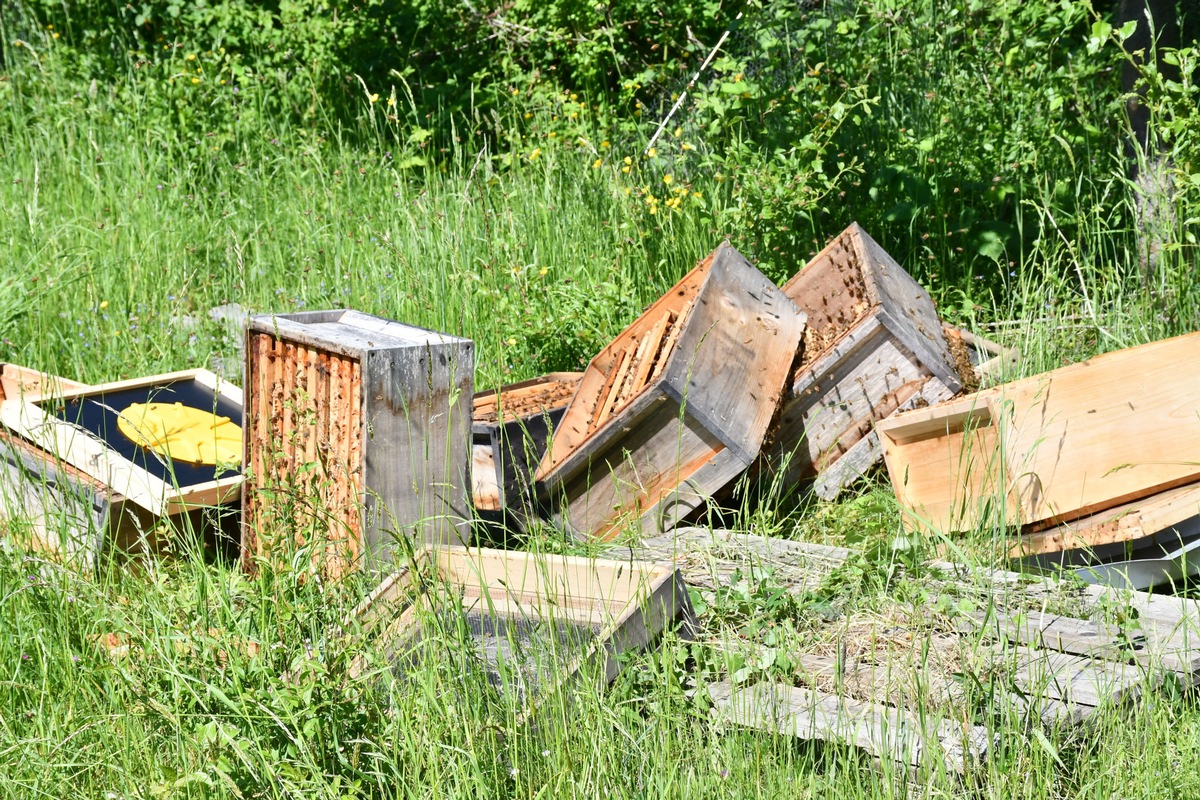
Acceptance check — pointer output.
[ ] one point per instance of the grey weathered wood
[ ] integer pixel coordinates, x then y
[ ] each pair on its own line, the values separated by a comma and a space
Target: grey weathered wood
64, 515
873, 342
620, 607
882, 731
1167, 626
709, 558
694, 423
407, 427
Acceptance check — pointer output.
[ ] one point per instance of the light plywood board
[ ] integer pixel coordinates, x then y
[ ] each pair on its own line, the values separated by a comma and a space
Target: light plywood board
1053, 447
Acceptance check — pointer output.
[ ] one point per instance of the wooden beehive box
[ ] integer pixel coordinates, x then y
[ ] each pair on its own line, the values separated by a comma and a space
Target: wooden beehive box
357, 431
1053, 447
976, 359
676, 406
872, 344
537, 621
510, 431
79, 427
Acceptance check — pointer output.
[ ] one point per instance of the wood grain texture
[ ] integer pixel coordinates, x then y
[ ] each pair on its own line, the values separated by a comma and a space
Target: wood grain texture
1128, 522
357, 433
873, 343
884, 732
1058, 446
626, 604
646, 458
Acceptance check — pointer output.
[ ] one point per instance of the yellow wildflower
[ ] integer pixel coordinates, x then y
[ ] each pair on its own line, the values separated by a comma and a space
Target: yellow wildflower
678, 132
667, 179
596, 164
686, 146
543, 272
628, 160
191, 56
652, 152
103, 304
537, 151
391, 102
604, 144
625, 170
374, 98
195, 80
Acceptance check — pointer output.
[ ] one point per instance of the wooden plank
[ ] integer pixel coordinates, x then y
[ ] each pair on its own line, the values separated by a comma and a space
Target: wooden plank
624, 605
1071, 442
485, 488
1167, 626
22, 383
1146, 517
883, 732
710, 558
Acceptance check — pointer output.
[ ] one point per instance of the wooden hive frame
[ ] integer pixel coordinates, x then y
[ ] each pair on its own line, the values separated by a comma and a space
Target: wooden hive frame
676, 406
976, 360
623, 606
1053, 447
510, 431
873, 345
33, 418
357, 431
22, 383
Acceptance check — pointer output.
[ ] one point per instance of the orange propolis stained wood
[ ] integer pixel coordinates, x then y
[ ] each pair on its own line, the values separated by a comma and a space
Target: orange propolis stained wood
357, 433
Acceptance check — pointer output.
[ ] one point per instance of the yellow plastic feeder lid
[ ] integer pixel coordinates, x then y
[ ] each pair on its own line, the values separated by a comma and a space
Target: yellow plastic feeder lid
183, 433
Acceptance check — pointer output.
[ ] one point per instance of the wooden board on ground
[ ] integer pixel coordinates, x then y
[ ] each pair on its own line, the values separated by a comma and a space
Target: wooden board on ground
357, 432
1053, 447
510, 432
1052, 652
549, 618
676, 407
873, 344
79, 427
886, 733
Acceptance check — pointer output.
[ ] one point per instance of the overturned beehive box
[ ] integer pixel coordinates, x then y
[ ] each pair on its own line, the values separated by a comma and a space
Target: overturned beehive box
976, 360
676, 406
1054, 447
357, 432
873, 344
510, 431
535, 622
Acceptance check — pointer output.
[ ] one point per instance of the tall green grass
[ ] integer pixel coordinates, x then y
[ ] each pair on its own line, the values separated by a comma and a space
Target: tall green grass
123, 223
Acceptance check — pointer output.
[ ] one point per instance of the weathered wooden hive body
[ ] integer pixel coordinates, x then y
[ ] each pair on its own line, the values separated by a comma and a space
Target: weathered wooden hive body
357, 432
873, 345
675, 407
510, 432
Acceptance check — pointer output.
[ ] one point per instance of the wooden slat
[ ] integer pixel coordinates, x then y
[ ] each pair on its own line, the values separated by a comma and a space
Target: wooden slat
1141, 518
884, 732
